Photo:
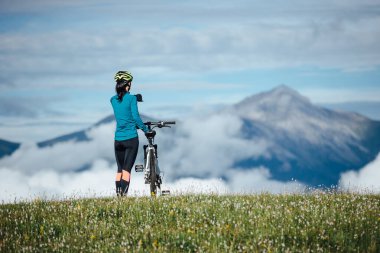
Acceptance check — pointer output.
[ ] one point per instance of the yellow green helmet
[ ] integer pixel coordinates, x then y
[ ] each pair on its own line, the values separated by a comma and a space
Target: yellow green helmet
123, 75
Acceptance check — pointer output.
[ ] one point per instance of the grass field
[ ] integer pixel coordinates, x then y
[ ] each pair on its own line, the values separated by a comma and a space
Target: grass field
318, 222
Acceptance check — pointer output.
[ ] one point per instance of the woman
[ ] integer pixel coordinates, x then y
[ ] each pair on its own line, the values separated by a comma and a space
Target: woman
126, 139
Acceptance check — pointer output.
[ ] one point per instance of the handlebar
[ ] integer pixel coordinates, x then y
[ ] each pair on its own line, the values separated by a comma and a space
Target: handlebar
169, 122
159, 124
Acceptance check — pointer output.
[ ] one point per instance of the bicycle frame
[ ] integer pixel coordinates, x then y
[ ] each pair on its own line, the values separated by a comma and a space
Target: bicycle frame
150, 151
151, 168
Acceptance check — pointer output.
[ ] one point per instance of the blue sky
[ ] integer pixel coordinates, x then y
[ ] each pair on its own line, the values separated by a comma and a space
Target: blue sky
58, 58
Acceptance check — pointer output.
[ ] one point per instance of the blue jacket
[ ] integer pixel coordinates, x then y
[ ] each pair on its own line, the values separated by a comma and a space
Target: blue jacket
127, 117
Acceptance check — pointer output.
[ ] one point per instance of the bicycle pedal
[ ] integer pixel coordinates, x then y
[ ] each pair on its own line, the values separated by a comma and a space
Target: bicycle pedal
139, 168
165, 192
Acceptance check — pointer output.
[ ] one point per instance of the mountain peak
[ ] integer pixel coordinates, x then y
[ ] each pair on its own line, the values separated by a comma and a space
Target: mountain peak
285, 91
280, 97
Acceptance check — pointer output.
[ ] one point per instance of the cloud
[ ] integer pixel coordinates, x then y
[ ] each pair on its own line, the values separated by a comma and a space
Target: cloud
197, 155
330, 35
369, 109
338, 95
207, 146
182, 147
74, 47
16, 186
27, 107
12, 107
201, 10
178, 49
259, 180
65, 156
365, 180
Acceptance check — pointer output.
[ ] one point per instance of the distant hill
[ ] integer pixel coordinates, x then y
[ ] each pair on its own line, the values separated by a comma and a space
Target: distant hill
80, 136
7, 147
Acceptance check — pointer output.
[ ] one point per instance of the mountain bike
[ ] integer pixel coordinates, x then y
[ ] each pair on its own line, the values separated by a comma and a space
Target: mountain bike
151, 169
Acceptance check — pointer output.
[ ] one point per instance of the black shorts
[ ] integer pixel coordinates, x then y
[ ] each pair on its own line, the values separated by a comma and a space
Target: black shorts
126, 153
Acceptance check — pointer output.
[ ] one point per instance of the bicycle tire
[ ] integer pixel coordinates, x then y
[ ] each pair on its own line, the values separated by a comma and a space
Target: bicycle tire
153, 175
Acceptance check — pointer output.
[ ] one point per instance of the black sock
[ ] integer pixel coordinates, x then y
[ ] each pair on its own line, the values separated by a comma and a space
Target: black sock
124, 186
118, 188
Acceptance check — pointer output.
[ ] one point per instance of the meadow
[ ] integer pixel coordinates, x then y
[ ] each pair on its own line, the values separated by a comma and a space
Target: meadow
317, 222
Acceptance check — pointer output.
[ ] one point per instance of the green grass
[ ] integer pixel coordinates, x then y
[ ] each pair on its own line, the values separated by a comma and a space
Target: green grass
195, 223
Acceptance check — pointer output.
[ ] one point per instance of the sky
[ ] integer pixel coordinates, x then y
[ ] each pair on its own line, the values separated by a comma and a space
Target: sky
58, 58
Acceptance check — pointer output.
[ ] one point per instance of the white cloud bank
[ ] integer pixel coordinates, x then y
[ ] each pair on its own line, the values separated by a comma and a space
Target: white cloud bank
197, 155
365, 180
65, 156
203, 151
98, 182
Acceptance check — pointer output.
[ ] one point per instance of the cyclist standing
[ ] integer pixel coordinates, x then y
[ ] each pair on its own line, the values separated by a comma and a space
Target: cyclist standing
126, 138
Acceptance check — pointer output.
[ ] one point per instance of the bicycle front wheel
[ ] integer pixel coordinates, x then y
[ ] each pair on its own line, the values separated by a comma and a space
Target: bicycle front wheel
153, 175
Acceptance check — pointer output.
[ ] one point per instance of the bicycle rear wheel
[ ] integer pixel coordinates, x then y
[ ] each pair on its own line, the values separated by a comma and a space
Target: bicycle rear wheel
153, 175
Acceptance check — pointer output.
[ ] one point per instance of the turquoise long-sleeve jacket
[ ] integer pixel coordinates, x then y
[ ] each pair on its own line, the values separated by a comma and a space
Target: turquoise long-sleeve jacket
127, 117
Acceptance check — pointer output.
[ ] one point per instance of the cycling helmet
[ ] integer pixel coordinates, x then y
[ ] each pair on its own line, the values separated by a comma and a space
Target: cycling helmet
123, 75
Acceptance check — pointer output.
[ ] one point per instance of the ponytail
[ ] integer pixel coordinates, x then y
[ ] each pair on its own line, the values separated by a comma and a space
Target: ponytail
120, 89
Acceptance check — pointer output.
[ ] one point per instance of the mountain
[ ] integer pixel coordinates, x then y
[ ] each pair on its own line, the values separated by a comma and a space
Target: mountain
7, 147
309, 143
80, 136
303, 141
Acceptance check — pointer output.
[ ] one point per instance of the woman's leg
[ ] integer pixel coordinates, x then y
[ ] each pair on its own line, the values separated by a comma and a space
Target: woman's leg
119, 155
118, 183
124, 183
132, 146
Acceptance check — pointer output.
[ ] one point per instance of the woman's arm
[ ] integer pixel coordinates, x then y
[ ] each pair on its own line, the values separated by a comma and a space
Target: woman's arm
136, 115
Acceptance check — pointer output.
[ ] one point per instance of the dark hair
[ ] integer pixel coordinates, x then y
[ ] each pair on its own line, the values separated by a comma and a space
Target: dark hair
120, 88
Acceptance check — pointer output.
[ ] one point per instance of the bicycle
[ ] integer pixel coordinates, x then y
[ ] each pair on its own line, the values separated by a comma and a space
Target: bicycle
151, 168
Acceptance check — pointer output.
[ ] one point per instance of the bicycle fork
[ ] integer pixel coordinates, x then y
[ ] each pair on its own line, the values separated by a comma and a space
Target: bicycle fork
149, 151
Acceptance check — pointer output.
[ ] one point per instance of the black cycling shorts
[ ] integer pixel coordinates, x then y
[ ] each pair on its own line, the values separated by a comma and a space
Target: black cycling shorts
126, 153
